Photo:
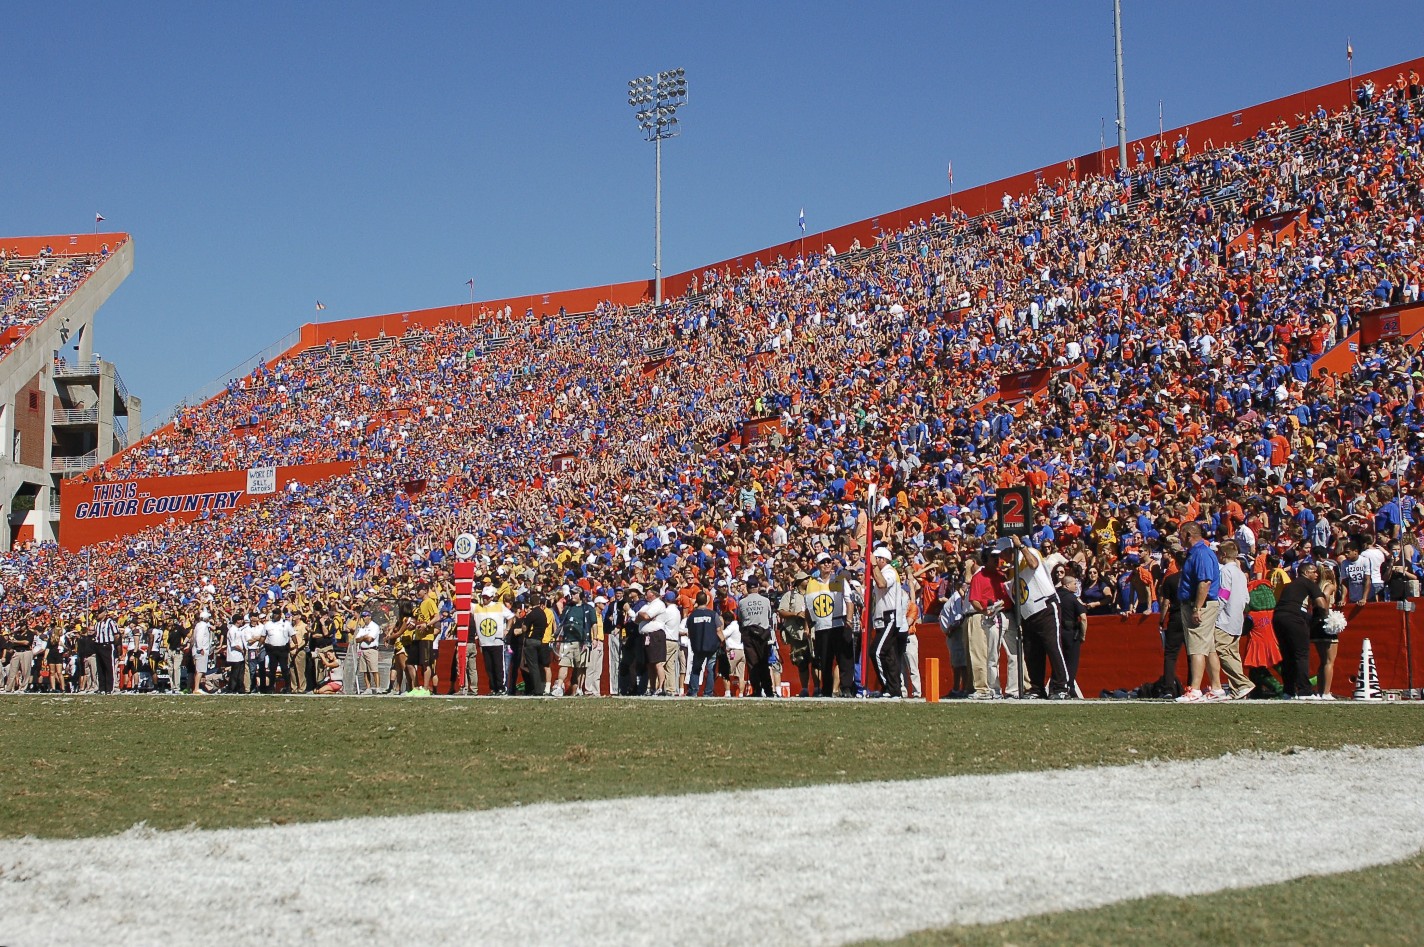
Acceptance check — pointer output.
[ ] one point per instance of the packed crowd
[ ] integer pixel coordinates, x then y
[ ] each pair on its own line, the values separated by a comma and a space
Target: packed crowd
1183, 394
32, 286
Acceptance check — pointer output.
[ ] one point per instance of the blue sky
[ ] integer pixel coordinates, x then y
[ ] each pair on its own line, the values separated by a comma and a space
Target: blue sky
376, 156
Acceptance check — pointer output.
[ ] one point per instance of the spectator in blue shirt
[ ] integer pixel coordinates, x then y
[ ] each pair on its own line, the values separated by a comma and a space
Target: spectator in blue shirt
1200, 593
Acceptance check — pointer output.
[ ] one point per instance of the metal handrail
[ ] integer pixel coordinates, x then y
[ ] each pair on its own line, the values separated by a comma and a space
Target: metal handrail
76, 370
73, 464
219, 385
76, 416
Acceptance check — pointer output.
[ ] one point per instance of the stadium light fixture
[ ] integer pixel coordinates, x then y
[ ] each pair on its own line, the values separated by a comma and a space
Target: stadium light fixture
655, 101
1121, 102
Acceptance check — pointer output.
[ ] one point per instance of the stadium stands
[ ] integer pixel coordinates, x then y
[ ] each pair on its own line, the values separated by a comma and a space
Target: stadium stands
1182, 326
31, 287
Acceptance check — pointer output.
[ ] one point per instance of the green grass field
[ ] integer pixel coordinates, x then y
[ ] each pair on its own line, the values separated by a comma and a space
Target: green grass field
1378, 906
83, 766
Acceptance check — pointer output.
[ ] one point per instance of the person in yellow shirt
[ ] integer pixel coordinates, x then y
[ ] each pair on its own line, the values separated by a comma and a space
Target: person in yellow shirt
489, 620
829, 597
427, 623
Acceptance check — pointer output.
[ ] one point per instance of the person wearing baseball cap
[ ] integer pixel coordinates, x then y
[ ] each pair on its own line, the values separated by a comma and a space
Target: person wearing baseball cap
754, 617
489, 620
367, 636
791, 610
575, 639
885, 605
826, 605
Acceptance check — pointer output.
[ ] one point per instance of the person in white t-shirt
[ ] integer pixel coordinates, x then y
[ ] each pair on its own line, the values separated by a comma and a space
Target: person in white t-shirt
277, 642
202, 646
235, 654
1231, 619
489, 620
367, 638
1375, 556
736, 655
650, 626
674, 630
1355, 576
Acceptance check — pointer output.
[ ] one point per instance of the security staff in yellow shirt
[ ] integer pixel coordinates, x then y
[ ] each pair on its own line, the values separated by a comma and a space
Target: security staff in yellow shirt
827, 595
489, 621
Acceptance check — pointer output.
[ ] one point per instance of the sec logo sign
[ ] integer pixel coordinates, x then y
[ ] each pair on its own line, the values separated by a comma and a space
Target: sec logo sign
464, 546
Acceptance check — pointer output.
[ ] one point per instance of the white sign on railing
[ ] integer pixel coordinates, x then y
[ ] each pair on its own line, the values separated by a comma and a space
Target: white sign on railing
262, 480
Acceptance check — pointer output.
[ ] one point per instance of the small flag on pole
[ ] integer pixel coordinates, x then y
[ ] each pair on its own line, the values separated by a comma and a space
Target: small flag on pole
1349, 52
319, 306
801, 221
98, 218
951, 172
470, 283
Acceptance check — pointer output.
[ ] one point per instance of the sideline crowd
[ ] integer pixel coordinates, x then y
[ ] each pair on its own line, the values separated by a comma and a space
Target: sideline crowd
1182, 400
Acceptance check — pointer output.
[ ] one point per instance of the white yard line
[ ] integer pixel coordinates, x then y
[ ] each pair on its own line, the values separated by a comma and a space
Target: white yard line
814, 865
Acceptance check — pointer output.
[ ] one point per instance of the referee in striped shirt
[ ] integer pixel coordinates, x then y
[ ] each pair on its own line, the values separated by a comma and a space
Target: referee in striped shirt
106, 633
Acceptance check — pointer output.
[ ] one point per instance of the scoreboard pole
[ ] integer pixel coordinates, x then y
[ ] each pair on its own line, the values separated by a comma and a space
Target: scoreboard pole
464, 595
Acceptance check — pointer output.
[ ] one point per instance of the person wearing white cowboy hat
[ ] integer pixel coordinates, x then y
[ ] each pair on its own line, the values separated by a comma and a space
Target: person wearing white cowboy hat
488, 622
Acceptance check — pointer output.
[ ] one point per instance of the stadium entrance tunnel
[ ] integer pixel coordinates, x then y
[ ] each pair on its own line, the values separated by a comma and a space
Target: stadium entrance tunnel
22, 523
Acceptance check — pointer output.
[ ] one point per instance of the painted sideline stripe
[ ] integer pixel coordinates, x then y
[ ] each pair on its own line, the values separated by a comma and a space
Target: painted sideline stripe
810, 865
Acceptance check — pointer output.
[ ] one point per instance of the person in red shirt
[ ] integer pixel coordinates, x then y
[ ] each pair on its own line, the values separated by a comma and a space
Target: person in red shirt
1280, 451
988, 618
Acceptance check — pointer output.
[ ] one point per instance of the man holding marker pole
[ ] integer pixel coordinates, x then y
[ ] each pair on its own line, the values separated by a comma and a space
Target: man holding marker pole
1039, 624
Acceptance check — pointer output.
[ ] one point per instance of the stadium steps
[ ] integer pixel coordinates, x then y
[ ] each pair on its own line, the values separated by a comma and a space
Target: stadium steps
37, 275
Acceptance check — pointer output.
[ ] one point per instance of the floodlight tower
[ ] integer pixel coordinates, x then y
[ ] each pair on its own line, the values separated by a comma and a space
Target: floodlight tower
1121, 102
656, 100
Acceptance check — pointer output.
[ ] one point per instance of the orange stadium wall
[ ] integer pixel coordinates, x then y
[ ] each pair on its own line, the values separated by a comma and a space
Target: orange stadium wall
93, 512
66, 245
1123, 652
1404, 321
543, 304
1341, 359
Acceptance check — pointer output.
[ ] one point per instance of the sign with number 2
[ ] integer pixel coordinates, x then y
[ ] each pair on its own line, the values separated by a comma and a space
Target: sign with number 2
1011, 508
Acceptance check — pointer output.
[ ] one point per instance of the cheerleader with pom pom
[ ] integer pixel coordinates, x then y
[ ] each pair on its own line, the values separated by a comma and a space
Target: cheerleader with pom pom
1325, 627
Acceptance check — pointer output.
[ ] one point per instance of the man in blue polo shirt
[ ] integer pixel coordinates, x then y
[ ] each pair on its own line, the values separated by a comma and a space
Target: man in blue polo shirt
1200, 593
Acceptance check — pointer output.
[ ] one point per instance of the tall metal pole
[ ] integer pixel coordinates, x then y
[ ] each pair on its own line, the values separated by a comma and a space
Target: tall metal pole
658, 221
1121, 102
657, 99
